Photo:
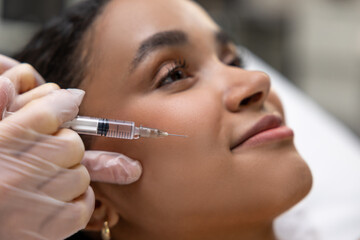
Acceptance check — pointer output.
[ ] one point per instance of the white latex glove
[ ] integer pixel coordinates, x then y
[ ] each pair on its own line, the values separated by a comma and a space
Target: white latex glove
103, 166
44, 190
111, 167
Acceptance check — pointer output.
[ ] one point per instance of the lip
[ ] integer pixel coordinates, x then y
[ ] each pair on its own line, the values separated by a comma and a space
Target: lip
269, 128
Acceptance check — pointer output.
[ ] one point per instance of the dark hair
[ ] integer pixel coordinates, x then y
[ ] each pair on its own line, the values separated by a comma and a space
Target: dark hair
56, 51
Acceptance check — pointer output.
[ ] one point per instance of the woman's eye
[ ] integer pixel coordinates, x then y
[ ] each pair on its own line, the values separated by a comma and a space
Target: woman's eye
174, 74
236, 62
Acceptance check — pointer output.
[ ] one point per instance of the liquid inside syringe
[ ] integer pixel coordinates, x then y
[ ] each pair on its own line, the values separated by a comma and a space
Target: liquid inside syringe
113, 128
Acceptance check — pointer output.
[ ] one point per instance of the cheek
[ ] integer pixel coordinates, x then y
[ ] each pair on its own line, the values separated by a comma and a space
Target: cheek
172, 165
191, 113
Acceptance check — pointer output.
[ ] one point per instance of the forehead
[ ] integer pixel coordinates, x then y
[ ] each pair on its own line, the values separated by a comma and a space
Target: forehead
146, 16
124, 24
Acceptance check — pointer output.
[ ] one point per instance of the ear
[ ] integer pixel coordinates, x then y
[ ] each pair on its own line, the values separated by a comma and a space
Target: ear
102, 212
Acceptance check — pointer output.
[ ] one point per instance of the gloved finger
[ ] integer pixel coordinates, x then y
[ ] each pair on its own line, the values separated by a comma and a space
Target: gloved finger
84, 207
72, 217
35, 93
66, 184
41, 159
45, 115
65, 149
111, 167
24, 77
6, 63
43, 217
7, 93
58, 183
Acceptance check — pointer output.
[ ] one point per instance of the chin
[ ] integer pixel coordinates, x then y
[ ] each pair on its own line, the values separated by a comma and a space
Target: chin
290, 179
299, 181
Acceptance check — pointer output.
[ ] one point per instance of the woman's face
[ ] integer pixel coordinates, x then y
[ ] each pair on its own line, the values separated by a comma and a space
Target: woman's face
165, 64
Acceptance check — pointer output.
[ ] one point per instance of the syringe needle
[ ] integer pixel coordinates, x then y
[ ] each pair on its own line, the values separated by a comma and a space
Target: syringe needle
176, 135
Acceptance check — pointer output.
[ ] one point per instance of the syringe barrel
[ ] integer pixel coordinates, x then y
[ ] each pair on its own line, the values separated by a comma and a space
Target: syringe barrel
102, 127
116, 128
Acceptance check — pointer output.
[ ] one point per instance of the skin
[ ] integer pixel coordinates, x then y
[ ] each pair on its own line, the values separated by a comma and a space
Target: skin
195, 187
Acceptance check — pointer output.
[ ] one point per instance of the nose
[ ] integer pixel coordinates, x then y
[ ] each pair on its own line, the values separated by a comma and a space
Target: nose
246, 90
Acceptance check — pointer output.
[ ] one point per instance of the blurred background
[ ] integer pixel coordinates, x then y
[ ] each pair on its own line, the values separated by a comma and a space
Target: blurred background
314, 43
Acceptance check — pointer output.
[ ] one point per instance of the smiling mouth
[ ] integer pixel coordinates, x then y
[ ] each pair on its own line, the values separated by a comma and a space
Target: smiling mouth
267, 129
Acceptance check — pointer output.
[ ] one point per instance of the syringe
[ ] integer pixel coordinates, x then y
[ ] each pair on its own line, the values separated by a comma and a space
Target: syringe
110, 128
113, 128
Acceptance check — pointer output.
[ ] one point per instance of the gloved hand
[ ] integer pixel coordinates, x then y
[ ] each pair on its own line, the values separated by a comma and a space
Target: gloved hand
28, 85
39, 182
44, 190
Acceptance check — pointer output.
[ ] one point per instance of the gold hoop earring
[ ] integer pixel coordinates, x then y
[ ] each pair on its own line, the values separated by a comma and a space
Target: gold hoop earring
105, 231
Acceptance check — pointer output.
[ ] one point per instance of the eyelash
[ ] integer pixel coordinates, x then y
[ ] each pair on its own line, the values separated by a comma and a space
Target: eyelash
181, 65
236, 62
178, 65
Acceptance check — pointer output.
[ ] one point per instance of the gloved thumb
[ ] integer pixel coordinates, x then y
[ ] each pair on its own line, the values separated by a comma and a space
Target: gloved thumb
111, 167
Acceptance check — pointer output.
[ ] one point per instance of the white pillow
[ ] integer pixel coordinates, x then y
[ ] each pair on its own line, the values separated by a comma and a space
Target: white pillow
332, 209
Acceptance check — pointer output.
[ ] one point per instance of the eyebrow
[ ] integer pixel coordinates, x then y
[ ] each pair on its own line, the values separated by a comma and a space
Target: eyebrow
156, 41
166, 39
